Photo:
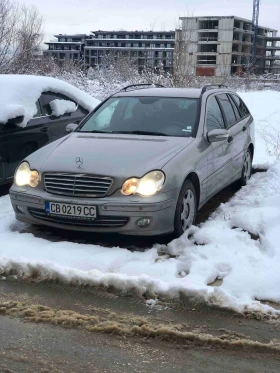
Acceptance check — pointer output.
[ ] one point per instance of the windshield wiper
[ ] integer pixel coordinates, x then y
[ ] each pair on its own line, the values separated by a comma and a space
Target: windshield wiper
142, 133
99, 131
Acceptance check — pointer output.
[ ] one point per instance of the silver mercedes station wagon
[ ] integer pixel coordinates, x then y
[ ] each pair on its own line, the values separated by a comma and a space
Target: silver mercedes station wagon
142, 163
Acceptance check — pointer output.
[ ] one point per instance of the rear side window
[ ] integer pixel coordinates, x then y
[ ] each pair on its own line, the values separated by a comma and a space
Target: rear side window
241, 106
227, 109
236, 112
47, 97
214, 118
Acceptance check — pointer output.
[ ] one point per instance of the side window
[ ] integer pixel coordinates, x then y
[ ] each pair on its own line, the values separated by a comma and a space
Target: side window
82, 111
241, 106
39, 111
236, 112
47, 97
214, 118
228, 110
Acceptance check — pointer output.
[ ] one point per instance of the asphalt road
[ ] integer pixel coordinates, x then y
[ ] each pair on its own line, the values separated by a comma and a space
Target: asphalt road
215, 340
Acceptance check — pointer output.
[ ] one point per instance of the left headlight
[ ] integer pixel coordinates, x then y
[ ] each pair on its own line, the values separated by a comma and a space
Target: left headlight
25, 176
146, 186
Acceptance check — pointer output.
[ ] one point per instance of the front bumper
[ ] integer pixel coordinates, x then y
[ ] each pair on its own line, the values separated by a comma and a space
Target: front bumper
116, 214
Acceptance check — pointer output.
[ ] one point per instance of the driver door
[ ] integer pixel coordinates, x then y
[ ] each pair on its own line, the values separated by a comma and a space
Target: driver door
219, 162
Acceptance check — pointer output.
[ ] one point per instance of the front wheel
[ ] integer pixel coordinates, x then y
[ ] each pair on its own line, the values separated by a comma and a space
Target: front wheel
247, 168
186, 207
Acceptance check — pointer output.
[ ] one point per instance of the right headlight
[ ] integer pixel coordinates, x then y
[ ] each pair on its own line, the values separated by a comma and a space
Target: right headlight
24, 176
147, 186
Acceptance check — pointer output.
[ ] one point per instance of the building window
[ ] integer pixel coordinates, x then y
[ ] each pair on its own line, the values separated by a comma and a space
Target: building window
206, 60
210, 48
208, 24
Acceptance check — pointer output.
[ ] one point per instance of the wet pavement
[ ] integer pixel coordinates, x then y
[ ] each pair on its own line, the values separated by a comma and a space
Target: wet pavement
208, 339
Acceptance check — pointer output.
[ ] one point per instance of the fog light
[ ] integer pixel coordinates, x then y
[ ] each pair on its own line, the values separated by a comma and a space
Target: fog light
143, 222
20, 209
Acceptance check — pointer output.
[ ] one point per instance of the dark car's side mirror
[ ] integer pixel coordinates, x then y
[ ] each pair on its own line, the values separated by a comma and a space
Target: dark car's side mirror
71, 127
217, 135
15, 121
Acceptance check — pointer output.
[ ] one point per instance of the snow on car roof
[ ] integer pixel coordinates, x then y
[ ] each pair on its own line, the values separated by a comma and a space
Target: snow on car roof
19, 93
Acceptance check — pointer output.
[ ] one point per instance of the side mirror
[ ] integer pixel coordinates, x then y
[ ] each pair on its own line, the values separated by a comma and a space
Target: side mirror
16, 121
71, 127
217, 135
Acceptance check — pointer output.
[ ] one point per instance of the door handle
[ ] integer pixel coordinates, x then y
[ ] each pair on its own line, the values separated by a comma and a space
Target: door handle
44, 129
230, 138
244, 128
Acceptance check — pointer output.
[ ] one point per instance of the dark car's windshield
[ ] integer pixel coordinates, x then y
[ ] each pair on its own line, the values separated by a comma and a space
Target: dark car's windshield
145, 115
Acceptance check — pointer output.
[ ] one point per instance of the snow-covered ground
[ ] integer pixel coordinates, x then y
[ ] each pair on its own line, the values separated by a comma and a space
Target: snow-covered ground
221, 248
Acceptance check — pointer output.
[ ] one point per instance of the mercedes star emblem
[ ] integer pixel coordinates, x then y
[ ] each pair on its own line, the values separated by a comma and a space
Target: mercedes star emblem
79, 162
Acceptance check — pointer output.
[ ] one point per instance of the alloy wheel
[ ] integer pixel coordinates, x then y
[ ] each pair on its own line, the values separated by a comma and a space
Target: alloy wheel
187, 209
247, 167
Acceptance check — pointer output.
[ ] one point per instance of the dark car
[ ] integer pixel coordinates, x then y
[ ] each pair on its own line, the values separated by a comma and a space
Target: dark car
28, 120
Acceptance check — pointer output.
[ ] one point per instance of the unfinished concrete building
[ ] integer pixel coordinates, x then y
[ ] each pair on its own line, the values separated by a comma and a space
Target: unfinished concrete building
219, 46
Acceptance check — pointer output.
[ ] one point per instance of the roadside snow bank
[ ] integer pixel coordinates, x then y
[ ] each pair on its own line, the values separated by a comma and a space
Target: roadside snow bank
265, 108
19, 93
221, 248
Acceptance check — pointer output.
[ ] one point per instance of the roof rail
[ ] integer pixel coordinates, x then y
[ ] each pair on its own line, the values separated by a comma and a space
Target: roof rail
152, 85
212, 86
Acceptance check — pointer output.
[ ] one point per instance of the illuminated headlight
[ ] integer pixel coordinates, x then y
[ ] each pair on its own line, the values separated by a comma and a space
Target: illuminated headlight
25, 176
146, 186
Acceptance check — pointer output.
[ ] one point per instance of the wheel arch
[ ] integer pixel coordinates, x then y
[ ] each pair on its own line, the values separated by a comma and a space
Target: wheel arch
193, 177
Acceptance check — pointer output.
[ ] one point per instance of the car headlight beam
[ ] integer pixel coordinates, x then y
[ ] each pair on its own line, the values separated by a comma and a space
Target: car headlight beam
148, 185
24, 176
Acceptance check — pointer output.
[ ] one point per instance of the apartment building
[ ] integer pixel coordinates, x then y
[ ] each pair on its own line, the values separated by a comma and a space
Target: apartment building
149, 48
66, 47
217, 46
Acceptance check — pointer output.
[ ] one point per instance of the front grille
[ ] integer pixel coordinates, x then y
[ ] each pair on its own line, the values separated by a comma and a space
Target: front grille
101, 222
80, 185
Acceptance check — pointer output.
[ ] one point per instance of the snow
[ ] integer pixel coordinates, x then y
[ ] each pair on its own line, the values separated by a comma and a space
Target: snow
19, 93
238, 245
265, 107
61, 107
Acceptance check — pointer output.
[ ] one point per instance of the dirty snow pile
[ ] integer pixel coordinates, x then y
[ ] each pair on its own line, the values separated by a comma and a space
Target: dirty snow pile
239, 245
19, 93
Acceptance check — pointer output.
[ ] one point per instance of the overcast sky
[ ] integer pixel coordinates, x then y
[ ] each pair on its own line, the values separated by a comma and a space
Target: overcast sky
83, 16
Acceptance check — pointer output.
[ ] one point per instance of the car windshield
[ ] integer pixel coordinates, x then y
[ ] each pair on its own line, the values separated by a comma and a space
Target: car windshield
158, 116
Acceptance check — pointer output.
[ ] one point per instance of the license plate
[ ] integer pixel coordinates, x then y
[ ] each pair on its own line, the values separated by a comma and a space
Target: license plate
70, 210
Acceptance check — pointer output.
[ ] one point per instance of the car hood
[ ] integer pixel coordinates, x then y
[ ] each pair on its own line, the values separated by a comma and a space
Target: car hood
111, 155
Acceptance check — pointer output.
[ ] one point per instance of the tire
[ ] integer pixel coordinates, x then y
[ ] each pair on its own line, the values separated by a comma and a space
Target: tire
186, 206
246, 168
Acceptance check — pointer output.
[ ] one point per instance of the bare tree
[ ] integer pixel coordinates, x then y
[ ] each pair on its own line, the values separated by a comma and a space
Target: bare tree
184, 60
20, 36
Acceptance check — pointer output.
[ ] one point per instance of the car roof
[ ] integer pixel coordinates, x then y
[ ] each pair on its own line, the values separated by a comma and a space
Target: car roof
19, 93
161, 92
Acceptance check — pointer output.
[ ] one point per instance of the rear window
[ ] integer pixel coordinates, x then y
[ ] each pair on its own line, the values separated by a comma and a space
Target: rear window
241, 106
166, 116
